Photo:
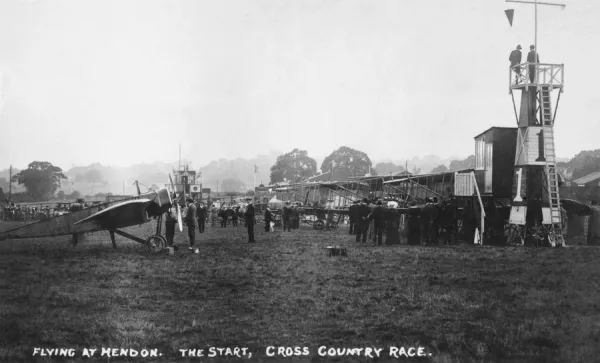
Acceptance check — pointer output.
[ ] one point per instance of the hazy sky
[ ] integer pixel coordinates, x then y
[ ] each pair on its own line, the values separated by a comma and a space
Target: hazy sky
121, 82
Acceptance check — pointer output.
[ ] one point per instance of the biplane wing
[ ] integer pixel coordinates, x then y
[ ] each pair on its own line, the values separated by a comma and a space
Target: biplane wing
122, 214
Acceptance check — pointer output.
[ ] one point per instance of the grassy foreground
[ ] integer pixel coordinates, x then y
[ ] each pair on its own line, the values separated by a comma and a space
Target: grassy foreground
459, 303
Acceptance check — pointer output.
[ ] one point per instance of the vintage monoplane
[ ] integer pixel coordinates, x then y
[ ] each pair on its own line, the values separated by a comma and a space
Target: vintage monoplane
110, 216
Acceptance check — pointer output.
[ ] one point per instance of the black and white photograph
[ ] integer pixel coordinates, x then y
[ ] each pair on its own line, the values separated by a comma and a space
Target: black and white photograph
300, 181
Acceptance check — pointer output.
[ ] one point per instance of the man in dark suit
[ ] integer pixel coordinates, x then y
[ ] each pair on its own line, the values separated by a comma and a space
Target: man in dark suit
234, 216
352, 213
170, 222
362, 221
268, 219
378, 218
531, 58
249, 217
515, 60
190, 220
223, 216
202, 214
286, 214
229, 215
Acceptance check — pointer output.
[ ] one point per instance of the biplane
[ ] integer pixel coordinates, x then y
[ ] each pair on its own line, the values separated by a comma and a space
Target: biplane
109, 216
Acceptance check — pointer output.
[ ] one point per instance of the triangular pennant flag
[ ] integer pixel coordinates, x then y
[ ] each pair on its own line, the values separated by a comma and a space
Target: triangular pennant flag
509, 15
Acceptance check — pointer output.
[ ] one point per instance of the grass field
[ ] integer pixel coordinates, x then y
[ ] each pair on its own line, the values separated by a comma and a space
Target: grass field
460, 303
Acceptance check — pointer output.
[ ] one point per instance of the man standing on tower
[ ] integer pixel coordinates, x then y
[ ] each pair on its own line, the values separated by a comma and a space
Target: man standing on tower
515, 60
531, 59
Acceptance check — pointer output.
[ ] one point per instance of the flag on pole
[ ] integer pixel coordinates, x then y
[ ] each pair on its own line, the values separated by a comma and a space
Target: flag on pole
509, 15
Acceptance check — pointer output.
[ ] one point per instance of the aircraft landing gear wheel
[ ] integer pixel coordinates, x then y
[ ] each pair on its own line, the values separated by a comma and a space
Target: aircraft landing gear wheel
156, 243
318, 224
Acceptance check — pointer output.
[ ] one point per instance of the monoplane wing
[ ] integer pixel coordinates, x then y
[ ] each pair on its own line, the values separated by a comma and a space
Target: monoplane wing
117, 208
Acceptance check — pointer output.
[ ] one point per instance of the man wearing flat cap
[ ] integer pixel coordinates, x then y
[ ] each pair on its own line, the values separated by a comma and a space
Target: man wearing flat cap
515, 60
249, 217
190, 220
362, 222
286, 214
378, 218
531, 58
353, 214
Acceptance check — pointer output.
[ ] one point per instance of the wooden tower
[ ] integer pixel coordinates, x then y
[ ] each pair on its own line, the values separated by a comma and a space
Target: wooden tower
187, 183
536, 209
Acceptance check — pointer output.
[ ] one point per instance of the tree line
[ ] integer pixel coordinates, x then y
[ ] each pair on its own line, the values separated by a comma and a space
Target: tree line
42, 179
296, 165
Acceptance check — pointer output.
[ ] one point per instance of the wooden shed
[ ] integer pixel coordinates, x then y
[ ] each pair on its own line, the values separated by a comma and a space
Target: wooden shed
495, 151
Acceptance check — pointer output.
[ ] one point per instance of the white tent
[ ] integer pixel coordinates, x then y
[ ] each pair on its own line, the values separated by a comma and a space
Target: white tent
275, 203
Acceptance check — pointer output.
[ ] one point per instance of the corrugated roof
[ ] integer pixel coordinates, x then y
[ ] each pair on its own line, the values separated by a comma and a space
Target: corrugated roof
494, 128
588, 178
339, 174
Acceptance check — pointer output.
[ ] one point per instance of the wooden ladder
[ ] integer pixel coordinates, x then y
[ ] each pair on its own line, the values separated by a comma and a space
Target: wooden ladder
551, 174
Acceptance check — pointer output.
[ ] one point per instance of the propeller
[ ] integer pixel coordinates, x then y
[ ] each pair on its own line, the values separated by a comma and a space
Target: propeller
179, 220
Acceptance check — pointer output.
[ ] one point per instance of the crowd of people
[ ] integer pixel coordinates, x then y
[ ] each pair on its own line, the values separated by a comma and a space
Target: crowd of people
25, 213
197, 215
368, 220
372, 219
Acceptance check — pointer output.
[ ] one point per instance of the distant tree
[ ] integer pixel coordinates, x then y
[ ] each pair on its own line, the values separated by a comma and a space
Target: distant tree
357, 162
99, 195
41, 179
439, 169
293, 166
468, 163
61, 195
94, 176
109, 194
250, 192
154, 187
231, 194
387, 168
585, 162
232, 185
4, 183
74, 195
261, 186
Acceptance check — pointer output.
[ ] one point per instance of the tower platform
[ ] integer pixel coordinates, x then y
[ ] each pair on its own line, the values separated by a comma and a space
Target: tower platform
548, 75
